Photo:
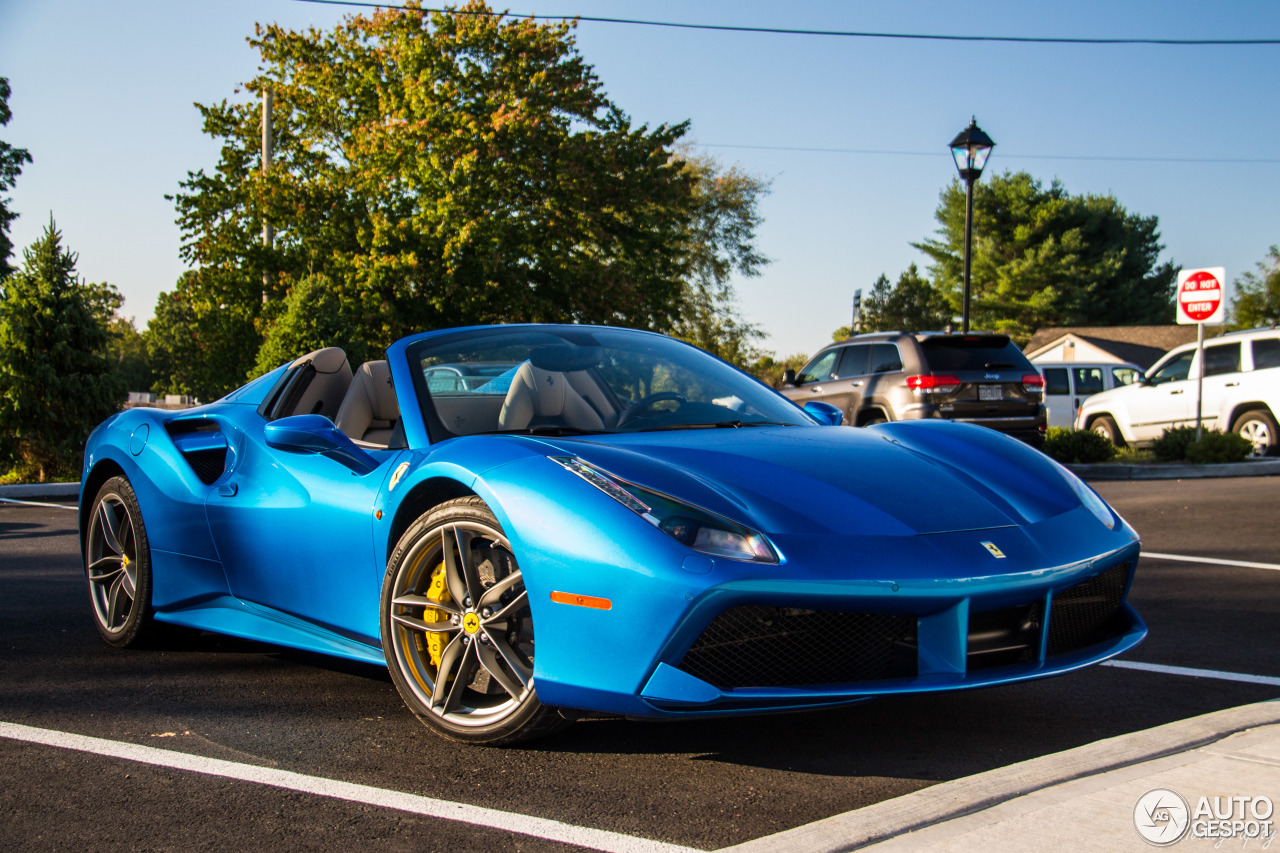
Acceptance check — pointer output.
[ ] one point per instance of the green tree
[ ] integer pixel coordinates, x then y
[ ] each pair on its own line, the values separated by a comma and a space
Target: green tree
1044, 257
721, 244
11, 160
202, 340
437, 169
314, 316
913, 304
55, 382
127, 352
1257, 298
769, 369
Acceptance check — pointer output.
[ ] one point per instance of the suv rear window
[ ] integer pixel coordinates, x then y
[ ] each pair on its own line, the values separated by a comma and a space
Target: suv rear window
972, 352
1266, 353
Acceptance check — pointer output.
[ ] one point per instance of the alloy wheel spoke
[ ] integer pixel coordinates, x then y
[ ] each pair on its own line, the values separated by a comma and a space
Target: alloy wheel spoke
488, 654
523, 672
118, 603
514, 608
104, 570
493, 595
464, 671
414, 600
416, 624
455, 559
110, 528
470, 572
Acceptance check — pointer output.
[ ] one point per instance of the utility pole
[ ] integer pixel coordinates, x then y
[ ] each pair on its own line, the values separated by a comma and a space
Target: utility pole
268, 235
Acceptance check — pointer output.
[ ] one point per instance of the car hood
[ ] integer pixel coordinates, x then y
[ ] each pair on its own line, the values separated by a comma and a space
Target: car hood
933, 478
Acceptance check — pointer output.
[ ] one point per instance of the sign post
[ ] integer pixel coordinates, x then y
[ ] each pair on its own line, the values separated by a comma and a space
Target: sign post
1200, 301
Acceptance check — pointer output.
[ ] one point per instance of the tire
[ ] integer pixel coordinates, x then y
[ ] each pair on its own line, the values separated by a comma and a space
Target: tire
1259, 427
1106, 427
117, 566
875, 419
454, 601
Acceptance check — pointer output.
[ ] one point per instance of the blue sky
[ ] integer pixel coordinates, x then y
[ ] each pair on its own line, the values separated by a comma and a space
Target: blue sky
103, 93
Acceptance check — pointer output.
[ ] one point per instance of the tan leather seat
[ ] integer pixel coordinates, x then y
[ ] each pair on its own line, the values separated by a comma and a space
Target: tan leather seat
369, 411
332, 378
547, 397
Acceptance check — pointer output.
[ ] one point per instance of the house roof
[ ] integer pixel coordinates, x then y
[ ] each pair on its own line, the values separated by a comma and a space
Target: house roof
1142, 345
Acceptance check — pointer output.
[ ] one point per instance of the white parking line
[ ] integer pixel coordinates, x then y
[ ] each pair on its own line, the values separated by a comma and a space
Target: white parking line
1195, 673
1213, 561
536, 827
37, 503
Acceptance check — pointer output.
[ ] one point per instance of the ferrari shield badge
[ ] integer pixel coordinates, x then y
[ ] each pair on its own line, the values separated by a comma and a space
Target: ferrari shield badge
395, 478
990, 546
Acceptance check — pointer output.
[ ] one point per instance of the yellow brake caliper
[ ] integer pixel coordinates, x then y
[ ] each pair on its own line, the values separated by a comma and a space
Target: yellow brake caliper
438, 591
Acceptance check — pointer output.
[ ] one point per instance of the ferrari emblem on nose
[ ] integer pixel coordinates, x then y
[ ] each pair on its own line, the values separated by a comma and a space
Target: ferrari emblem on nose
995, 552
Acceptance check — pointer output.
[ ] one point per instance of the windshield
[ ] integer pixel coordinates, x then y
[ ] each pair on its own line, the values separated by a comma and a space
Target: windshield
569, 380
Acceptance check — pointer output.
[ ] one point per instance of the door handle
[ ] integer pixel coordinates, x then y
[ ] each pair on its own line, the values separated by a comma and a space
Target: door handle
1171, 393
857, 384
1231, 384
816, 389
228, 490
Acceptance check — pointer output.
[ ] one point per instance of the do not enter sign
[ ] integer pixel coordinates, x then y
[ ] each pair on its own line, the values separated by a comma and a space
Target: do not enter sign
1200, 295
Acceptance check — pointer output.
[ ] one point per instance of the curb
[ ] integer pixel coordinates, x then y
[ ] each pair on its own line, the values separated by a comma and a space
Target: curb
1177, 471
960, 797
41, 490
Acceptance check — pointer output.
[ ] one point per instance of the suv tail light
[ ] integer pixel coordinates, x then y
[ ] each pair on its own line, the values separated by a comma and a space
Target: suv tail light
924, 383
1033, 383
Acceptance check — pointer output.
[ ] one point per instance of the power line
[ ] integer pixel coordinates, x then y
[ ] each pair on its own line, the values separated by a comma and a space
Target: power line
1005, 155
801, 32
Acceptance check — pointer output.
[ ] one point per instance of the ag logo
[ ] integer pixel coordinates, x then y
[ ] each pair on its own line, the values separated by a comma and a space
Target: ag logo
995, 552
1161, 817
395, 478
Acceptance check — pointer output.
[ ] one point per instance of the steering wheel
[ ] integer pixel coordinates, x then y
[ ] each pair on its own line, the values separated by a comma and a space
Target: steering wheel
643, 405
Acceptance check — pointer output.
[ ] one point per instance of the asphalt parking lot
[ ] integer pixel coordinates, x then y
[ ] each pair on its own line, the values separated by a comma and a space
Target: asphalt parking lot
703, 785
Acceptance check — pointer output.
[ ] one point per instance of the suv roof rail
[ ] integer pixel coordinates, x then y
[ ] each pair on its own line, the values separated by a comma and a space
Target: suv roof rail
1270, 328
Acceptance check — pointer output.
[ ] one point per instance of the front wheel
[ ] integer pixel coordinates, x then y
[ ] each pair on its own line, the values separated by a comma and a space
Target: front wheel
117, 565
1106, 427
1260, 428
457, 629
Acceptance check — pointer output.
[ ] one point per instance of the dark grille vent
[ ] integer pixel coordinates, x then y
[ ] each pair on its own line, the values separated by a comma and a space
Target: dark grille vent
208, 464
1088, 612
1004, 637
761, 646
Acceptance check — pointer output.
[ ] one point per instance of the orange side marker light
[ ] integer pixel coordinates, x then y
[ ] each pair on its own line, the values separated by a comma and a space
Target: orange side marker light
575, 600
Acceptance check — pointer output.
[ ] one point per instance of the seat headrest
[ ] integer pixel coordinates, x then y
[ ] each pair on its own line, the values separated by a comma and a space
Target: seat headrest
327, 360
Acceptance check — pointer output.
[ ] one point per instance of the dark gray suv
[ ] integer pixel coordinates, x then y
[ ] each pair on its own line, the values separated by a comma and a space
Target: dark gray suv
893, 376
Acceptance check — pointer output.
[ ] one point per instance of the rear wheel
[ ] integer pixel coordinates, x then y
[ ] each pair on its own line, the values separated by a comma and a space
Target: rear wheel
117, 565
457, 629
1260, 428
1106, 427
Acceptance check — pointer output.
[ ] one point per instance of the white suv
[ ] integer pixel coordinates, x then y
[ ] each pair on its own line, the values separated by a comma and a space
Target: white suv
1241, 393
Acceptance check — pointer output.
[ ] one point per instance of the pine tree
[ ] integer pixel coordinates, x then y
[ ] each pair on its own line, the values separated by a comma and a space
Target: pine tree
55, 382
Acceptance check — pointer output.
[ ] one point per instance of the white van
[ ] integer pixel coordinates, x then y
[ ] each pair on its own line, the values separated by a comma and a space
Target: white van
1068, 383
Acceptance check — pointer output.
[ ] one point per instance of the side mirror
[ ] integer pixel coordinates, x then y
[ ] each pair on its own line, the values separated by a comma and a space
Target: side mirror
317, 434
788, 377
824, 413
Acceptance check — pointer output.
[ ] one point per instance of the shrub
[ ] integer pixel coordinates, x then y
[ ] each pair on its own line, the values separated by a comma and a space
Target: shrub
1078, 446
1215, 447
1172, 445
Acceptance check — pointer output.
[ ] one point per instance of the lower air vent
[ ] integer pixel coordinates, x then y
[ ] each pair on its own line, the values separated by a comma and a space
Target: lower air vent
1004, 637
762, 646
1088, 612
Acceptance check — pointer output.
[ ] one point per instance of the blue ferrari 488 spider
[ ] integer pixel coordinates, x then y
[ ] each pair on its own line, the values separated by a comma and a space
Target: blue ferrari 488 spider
529, 524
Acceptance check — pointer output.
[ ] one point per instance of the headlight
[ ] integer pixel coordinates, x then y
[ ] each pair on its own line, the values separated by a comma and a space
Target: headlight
689, 525
1089, 498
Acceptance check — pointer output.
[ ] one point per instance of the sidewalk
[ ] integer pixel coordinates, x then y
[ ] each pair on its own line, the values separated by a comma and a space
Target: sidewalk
1082, 799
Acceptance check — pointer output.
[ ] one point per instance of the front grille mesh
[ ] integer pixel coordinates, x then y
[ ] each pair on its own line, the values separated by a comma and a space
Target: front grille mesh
764, 646
1088, 612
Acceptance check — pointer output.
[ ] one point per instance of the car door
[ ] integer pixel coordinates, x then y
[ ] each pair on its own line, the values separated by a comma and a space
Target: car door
1221, 379
1165, 399
294, 532
1085, 382
1057, 396
846, 388
812, 381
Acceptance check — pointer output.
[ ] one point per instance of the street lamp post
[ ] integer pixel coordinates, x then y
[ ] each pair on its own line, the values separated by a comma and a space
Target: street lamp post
970, 149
